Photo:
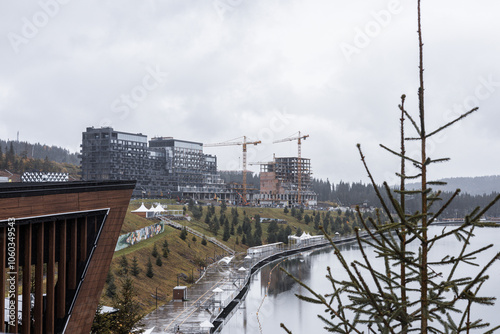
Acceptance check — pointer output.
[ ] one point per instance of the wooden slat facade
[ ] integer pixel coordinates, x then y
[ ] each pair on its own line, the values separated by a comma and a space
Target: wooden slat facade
57, 227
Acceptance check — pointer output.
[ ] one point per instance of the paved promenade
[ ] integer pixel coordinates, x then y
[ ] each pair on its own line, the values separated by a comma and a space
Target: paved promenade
217, 293
203, 304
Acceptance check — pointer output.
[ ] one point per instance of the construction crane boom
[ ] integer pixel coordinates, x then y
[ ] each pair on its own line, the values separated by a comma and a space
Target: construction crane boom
243, 143
299, 138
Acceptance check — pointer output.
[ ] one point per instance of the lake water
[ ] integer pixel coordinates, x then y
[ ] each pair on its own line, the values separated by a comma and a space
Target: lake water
281, 305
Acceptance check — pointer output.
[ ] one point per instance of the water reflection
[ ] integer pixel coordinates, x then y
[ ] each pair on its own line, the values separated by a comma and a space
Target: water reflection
261, 313
278, 282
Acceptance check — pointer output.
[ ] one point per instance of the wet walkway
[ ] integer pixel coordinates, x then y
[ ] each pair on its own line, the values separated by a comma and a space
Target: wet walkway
216, 295
205, 299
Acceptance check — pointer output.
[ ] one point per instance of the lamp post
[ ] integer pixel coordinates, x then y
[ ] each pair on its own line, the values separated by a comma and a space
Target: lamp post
156, 298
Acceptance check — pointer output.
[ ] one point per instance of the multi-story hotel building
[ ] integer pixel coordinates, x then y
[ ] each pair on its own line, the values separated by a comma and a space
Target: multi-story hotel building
166, 167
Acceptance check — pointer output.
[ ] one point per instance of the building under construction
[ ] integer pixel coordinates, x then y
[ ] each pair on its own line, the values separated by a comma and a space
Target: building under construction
287, 181
167, 167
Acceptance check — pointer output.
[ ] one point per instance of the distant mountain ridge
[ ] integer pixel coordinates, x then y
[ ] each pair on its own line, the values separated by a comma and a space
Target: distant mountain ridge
478, 185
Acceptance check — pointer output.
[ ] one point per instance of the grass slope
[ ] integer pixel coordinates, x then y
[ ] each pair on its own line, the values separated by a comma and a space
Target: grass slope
186, 256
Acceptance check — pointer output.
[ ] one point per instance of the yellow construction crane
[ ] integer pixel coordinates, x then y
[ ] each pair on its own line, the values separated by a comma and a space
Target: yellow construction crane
244, 143
299, 138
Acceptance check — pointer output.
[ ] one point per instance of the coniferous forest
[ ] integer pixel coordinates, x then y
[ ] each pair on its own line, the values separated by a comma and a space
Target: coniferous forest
40, 151
18, 161
358, 193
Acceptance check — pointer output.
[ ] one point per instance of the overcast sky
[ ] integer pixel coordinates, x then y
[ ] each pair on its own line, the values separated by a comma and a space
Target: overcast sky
215, 70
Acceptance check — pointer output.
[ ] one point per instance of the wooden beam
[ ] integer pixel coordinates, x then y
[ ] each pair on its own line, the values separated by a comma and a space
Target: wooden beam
73, 252
51, 272
27, 232
61, 272
82, 254
38, 311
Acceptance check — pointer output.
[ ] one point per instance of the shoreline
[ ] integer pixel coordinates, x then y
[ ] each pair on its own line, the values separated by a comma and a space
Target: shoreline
227, 312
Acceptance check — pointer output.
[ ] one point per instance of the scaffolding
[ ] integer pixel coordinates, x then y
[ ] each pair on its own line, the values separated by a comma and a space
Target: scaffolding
167, 167
279, 181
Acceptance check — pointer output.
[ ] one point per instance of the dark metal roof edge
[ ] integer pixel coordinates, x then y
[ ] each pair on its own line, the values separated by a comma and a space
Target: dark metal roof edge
20, 189
175, 140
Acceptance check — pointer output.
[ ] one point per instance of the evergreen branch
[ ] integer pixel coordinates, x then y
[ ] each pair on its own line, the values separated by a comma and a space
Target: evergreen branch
375, 187
399, 154
452, 122
379, 230
409, 192
411, 119
480, 274
433, 161
310, 300
401, 214
371, 270
339, 301
372, 299
333, 327
395, 204
462, 257
486, 208
402, 236
492, 330
437, 183
409, 177
318, 296
464, 247
342, 260
282, 325
368, 230
433, 198
453, 231
467, 312
440, 211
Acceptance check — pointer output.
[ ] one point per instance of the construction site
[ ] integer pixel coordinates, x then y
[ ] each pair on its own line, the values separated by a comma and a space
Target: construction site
286, 181
179, 169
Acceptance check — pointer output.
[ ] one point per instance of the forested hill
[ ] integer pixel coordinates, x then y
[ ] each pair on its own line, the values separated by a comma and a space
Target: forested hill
348, 194
40, 151
354, 193
472, 185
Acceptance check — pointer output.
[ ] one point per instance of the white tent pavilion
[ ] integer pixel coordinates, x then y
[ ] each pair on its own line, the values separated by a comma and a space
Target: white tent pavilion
142, 208
158, 208
226, 259
206, 325
143, 211
217, 290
